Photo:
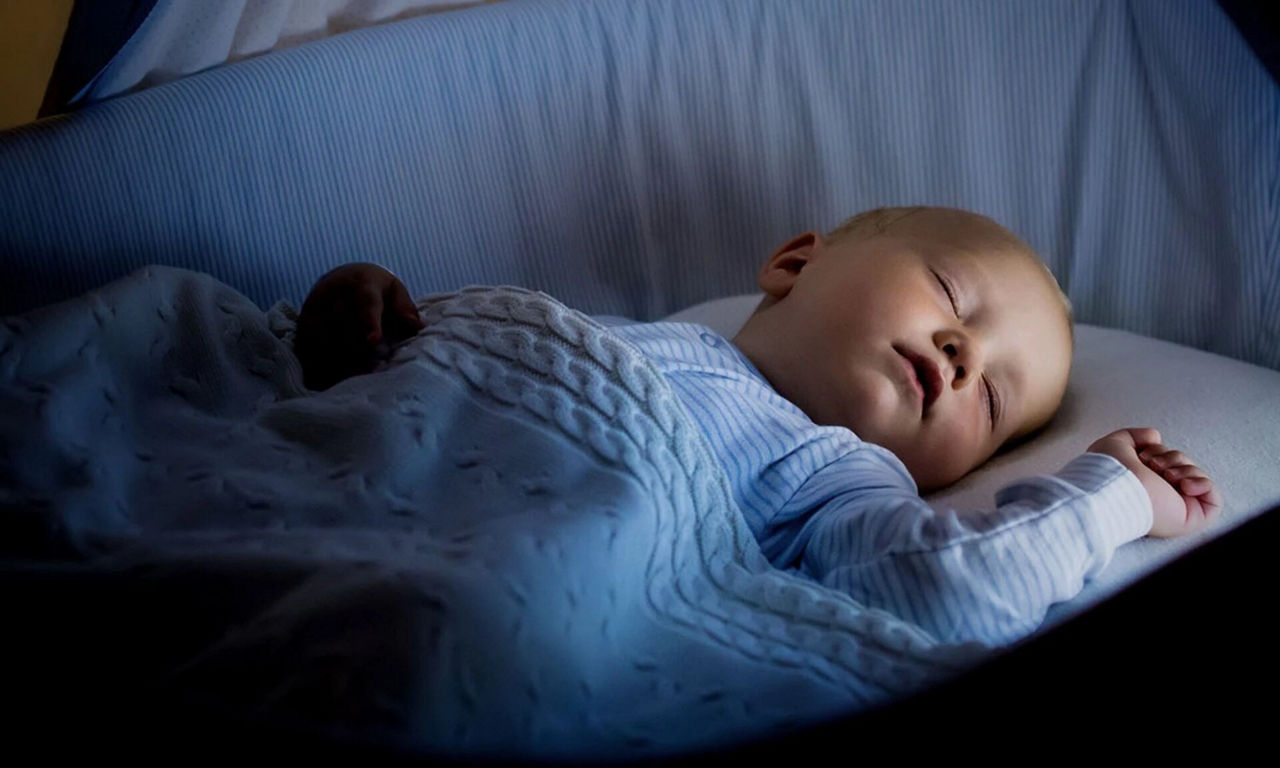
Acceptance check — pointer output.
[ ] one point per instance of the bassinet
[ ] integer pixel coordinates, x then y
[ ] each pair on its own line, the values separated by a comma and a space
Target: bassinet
637, 158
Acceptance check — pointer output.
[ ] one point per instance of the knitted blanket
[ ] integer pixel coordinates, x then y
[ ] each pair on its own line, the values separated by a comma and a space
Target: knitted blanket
509, 540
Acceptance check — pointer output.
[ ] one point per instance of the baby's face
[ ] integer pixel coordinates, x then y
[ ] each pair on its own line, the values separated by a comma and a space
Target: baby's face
937, 353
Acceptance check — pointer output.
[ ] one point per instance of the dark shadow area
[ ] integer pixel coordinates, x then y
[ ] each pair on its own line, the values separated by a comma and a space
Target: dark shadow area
1259, 23
96, 31
1181, 659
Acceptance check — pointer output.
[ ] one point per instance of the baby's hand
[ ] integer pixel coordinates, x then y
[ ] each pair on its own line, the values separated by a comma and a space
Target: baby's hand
1183, 498
349, 320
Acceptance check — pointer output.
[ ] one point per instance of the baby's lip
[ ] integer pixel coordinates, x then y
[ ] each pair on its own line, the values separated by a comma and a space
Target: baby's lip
927, 375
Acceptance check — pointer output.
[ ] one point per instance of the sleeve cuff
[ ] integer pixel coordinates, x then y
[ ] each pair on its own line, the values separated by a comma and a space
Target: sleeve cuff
1119, 510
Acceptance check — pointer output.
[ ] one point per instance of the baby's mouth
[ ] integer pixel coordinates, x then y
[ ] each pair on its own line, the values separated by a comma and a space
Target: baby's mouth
926, 373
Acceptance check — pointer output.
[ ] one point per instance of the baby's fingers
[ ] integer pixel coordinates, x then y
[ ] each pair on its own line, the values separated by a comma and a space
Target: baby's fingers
1143, 437
1179, 471
1204, 502
1182, 472
1203, 510
1158, 457
1195, 485
1207, 492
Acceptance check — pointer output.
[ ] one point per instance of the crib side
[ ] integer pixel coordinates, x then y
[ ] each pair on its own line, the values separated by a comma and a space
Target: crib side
635, 158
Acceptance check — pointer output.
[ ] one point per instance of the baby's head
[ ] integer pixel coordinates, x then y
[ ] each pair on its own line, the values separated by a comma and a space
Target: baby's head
908, 325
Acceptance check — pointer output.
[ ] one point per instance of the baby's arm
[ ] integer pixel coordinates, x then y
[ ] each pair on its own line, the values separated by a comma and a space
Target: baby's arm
987, 576
348, 322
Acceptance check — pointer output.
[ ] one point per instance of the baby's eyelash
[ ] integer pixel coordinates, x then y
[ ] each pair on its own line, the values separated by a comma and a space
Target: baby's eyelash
955, 307
993, 402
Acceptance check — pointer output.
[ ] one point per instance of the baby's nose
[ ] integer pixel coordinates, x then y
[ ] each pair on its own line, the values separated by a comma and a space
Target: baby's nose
956, 366
964, 358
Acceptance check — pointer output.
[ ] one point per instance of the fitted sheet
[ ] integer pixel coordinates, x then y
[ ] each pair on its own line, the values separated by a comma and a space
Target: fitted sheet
1222, 412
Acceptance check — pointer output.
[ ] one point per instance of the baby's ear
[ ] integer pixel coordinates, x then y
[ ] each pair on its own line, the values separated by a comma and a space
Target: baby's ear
779, 273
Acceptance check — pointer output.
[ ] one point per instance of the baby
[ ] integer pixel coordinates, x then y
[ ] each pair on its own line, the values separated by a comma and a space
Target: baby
888, 358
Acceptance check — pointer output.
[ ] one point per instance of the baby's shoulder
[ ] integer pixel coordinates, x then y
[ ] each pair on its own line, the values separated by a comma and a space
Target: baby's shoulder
858, 465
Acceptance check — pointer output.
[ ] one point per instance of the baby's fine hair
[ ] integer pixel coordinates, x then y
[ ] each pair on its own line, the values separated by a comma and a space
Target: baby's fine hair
982, 230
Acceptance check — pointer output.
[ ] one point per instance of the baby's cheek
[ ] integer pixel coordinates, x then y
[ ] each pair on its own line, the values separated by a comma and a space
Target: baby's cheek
862, 402
947, 458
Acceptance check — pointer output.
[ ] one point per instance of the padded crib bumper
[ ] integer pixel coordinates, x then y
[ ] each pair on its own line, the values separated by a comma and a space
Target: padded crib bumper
633, 158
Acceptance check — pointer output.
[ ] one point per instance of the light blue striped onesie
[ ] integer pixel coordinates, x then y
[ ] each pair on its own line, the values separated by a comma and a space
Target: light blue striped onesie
846, 513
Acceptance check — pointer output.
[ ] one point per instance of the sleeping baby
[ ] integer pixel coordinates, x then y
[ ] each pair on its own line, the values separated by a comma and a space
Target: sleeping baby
888, 359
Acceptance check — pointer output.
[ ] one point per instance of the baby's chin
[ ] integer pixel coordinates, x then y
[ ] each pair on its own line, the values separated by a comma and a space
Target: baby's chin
926, 484
933, 472
881, 419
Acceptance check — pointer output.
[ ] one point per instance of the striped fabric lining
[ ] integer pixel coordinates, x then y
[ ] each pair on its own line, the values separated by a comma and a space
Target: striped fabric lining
633, 158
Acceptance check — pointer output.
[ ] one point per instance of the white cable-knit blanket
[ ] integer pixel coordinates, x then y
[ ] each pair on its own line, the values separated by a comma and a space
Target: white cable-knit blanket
510, 539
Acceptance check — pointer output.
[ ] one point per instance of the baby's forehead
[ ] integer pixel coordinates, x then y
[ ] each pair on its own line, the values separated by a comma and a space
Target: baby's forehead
983, 247
982, 252
952, 225
1014, 262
